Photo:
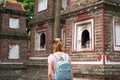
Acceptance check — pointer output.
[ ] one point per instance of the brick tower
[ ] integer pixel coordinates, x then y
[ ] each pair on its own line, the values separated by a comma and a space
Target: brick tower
13, 39
41, 26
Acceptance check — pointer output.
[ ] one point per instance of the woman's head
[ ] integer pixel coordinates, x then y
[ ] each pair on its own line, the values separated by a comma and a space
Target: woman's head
57, 45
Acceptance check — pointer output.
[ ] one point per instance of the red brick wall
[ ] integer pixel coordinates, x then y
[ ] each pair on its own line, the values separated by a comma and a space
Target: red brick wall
103, 43
49, 36
45, 14
5, 49
22, 23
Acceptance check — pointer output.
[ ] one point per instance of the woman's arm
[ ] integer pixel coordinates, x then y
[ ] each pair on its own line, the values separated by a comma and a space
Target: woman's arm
50, 71
71, 69
71, 75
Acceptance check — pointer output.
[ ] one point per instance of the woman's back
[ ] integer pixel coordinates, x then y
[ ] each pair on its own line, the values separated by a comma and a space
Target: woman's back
52, 59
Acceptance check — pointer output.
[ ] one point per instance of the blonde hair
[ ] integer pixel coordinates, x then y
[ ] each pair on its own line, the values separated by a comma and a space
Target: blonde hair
57, 45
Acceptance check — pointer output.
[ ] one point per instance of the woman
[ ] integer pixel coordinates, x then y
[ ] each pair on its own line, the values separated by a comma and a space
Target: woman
58, 50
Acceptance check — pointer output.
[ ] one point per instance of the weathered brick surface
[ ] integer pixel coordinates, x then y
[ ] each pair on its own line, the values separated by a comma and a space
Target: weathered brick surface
5, 23
44, 15
100, 10
79, 4
103, 33
11, 72
4, 49
36, 70
49, 37
12, 69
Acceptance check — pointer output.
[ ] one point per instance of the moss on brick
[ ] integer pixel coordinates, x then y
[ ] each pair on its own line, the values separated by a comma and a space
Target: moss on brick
13, 34
36, 63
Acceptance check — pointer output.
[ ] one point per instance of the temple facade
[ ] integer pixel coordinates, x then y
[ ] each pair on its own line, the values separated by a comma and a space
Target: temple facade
89, 30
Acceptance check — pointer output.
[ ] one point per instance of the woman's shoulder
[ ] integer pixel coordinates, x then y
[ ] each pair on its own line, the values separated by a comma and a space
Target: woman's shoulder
50, 55
66, 53
50, 58
58, 54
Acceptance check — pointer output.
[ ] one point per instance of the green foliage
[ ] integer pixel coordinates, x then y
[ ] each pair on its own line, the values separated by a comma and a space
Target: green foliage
28, 5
